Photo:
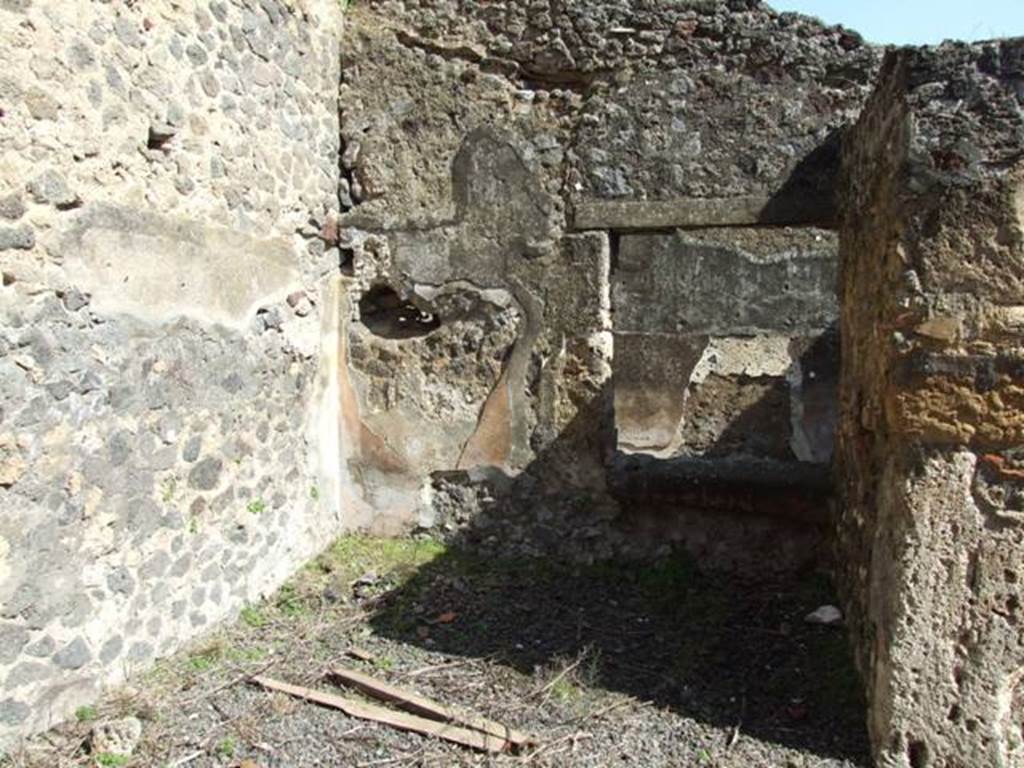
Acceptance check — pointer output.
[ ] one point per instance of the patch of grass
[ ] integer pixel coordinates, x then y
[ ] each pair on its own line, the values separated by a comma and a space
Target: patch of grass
355, 555
245, 654
85, 714
572, 679
314, 493
206, 657
201, 663
170, 485
256, 506
193, 524
253, 616
226, 747
564, 691
290, 602
110, 760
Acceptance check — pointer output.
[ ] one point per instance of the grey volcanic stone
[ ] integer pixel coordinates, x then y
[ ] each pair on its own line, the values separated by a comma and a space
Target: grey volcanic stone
191, 450
182, 565
140, 651
120, 581
211, 87
17, 238
233, 383
41, 105
128, 32
12, 639
59, 390
12, 206
205, 475
111, 649
175, 47
196, 54
119, 447
74, 655
27, 672
156, 566
74, 300
13, 712
50, 187
42, 648
114, 79
80, 56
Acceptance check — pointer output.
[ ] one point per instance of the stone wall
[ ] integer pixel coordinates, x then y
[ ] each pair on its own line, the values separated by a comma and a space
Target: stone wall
932, 534
556, 278
168, 175
742, 313
603, 230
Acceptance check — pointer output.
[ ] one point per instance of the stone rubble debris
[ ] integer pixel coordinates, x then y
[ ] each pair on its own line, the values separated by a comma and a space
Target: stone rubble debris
116, 737
826, 615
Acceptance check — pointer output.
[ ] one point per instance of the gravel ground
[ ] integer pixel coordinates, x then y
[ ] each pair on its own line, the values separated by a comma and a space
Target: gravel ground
605, 665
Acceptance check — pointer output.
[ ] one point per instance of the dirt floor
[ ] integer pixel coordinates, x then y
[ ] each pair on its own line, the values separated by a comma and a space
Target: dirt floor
605, 665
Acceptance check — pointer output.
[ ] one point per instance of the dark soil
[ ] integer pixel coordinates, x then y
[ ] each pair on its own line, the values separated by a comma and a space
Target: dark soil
605, 665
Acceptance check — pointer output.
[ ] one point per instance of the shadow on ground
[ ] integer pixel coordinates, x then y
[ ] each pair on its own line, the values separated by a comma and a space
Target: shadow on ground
724, 651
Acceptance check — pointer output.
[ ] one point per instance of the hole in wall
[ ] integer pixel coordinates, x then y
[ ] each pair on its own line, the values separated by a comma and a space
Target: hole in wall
917, 753
388, 315
1012, 608
158, 137
346, 262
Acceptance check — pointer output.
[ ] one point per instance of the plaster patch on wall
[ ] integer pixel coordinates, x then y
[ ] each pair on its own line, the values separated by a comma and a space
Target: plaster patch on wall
159, 269
739, 282
752, 357
652, 373
324, 422
652, 408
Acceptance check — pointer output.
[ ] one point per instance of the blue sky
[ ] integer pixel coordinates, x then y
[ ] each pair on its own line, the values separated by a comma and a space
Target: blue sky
917, 21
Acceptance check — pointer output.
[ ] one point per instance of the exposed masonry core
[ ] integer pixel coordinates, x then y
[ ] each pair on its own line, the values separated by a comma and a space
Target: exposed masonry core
576, 279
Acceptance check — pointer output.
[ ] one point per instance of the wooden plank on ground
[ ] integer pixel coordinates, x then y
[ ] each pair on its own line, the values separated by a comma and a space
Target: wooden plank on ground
404, 721
421, 705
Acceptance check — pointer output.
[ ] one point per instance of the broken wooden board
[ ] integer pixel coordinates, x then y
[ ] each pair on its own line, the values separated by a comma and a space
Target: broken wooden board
404, 721
421, 705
